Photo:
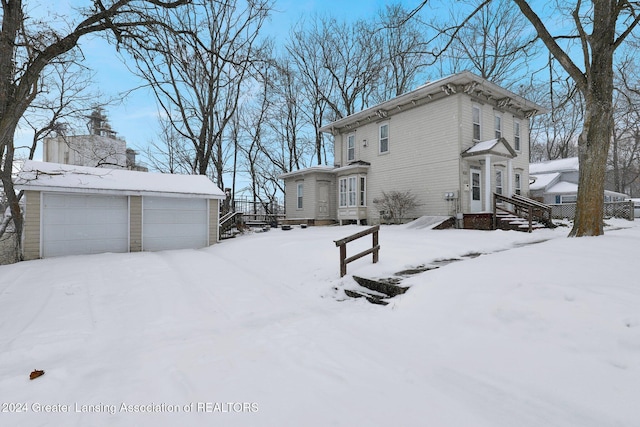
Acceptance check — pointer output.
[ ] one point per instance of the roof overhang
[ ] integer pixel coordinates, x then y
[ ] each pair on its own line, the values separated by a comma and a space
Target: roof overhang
355, 167
463, 82
307, 171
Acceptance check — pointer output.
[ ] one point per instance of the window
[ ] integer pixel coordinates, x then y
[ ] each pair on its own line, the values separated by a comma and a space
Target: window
352, 190
384, 138
475, 185
476, 123
300, 192
499, 182
349, 192
498, 125
343, 192
566, 199
351, 147
516, 135
518, 183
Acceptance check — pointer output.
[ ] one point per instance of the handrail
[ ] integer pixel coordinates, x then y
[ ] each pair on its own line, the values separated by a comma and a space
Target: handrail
530, 201
342, 244
227, 219
533, 208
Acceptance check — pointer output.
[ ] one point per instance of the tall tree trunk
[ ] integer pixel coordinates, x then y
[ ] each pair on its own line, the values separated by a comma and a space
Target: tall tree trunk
595, 139
10, 193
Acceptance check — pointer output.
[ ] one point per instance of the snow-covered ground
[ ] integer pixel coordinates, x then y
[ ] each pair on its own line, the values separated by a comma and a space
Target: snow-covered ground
540, 330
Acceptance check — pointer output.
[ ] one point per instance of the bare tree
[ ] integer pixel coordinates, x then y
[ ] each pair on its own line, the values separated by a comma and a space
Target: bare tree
314, 80
493, 43
286, 120
28, 47
404, 52
272, 128
198, 73
171, 154
610, 23
65, 101
624, 156
556, 135
350, 53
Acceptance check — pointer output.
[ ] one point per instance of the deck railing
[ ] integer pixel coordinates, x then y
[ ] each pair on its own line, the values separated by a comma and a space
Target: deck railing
342, 244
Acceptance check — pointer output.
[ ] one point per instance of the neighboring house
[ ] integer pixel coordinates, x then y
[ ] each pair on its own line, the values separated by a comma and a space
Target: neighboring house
72, 210
101, 148
451, 143
556, 182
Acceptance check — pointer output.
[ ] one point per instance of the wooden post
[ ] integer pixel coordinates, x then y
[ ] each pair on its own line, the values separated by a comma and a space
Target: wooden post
343, 257
376, 247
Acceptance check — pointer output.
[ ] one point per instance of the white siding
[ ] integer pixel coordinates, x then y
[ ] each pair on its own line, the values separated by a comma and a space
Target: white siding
520, 163
423, 156
311, 181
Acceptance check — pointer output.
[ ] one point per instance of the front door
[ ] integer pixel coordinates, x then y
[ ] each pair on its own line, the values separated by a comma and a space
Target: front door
323, 200
476, 191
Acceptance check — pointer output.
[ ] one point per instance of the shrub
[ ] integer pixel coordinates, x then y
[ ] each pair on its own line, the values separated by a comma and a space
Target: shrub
395, 205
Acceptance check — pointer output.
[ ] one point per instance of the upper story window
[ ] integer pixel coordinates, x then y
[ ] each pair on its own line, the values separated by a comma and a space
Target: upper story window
300, 190
498, 126
384, 138
351, 147
516, 135
476, 122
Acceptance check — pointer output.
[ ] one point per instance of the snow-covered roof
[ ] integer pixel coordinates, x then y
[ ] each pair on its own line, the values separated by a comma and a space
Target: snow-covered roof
542, 180
318, 168
499, 147
615, 194
563, 187
561, 165
483, 146
45, 176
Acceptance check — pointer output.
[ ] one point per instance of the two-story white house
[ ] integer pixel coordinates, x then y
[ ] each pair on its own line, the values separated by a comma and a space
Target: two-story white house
452, 143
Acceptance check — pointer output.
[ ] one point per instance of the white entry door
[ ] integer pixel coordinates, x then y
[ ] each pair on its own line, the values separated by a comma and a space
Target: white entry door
476, 190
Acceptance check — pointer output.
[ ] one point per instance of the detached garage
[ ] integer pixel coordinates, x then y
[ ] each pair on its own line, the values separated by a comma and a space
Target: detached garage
73, 210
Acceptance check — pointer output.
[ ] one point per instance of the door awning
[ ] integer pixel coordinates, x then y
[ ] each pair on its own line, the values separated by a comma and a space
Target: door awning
498, 148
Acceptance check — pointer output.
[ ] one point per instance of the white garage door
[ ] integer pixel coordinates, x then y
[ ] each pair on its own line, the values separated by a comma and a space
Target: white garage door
171, 223
75, 224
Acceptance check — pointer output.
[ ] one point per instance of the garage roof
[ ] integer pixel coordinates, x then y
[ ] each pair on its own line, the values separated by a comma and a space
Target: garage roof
43, 176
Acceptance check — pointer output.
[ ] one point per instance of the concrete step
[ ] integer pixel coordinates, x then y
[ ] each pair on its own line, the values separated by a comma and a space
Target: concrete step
374, 299
384, 286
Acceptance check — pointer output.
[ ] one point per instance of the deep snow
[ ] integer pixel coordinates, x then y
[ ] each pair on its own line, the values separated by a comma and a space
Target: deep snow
540, 330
